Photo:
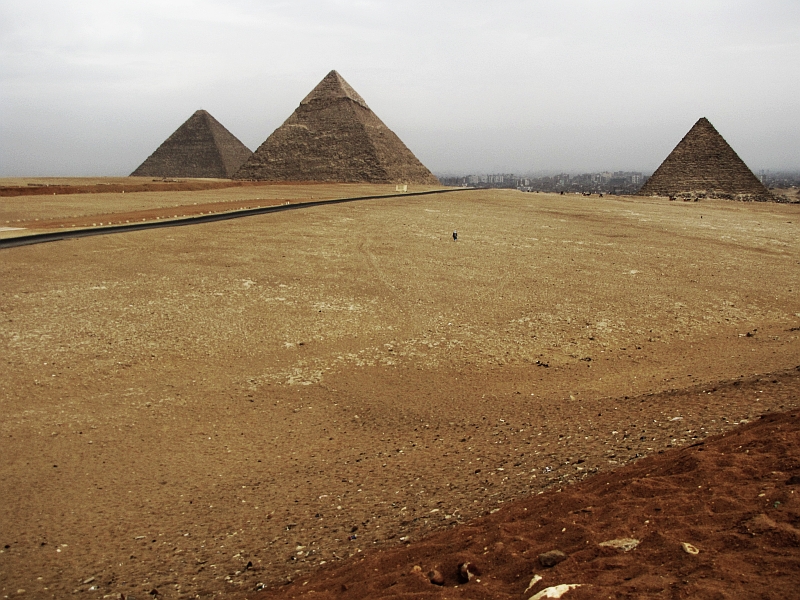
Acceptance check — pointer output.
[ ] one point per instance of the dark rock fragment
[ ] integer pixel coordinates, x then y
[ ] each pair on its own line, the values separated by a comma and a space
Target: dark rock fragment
552, 558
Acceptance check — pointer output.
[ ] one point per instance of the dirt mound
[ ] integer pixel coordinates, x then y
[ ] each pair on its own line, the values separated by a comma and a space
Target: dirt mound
717, 519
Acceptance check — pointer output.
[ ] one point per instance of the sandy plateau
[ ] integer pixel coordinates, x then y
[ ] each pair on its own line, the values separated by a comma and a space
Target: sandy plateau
36, 208
211, 409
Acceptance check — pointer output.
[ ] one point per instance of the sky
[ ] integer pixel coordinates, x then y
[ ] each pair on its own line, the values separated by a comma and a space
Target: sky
92, 87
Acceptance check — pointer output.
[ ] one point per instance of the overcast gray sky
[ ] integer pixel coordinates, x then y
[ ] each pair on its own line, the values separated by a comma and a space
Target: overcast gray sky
92, 87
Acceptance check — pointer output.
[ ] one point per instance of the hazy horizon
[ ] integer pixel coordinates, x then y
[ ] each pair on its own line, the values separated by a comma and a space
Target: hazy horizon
91, 88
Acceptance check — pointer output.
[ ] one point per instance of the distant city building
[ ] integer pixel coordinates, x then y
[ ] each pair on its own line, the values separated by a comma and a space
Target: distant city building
604, 182
780, 179
617, 182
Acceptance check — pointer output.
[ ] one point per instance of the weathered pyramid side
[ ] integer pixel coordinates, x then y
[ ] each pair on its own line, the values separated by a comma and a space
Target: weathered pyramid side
201, 147
333, 136
324, 143
398, 162
232, 152
704, 165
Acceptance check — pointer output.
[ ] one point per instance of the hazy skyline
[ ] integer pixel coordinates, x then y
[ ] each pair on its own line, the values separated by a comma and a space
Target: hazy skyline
92, 87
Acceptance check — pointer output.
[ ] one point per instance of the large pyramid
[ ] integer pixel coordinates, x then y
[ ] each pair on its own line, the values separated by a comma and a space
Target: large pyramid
334, 136
704, 165
201, 147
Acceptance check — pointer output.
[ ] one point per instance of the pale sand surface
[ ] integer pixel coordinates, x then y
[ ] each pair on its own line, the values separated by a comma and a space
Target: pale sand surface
55, 212
45, 181
177, 403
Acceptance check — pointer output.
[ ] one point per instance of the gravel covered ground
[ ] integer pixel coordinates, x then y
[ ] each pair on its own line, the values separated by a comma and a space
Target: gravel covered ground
57, 203
286, 391
716, 519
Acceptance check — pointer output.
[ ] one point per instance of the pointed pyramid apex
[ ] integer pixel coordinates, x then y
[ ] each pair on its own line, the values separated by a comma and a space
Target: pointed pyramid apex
703, 123
333, 87
200, 116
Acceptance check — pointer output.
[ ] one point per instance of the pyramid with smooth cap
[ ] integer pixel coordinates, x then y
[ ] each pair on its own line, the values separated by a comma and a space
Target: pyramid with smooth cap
333, 136
703, 165
201, 147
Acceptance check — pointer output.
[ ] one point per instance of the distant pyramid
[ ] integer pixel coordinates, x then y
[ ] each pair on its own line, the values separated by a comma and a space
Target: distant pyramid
334, 136
704, 165
201, 147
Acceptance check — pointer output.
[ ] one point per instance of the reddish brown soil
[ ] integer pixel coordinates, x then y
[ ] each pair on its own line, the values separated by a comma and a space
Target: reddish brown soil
134, 186
168, 212
735, 497
98, 202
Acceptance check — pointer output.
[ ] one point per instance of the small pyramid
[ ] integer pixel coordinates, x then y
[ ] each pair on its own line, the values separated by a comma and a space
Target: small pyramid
201, 147
334, 136
704, 165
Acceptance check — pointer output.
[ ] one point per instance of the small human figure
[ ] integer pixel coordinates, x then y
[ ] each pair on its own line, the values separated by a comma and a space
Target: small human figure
455, 236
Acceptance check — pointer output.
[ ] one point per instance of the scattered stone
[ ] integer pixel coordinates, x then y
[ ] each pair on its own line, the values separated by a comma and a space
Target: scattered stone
466, 571
689, 549
436, 577
624, 544
555, 591
552, 558
536, 579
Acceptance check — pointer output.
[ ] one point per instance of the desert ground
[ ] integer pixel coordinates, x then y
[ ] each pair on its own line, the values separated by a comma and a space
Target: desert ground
714, 519
210, 410
34, 207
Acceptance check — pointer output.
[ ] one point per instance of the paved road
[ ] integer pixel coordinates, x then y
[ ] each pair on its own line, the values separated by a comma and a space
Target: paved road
40, 238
